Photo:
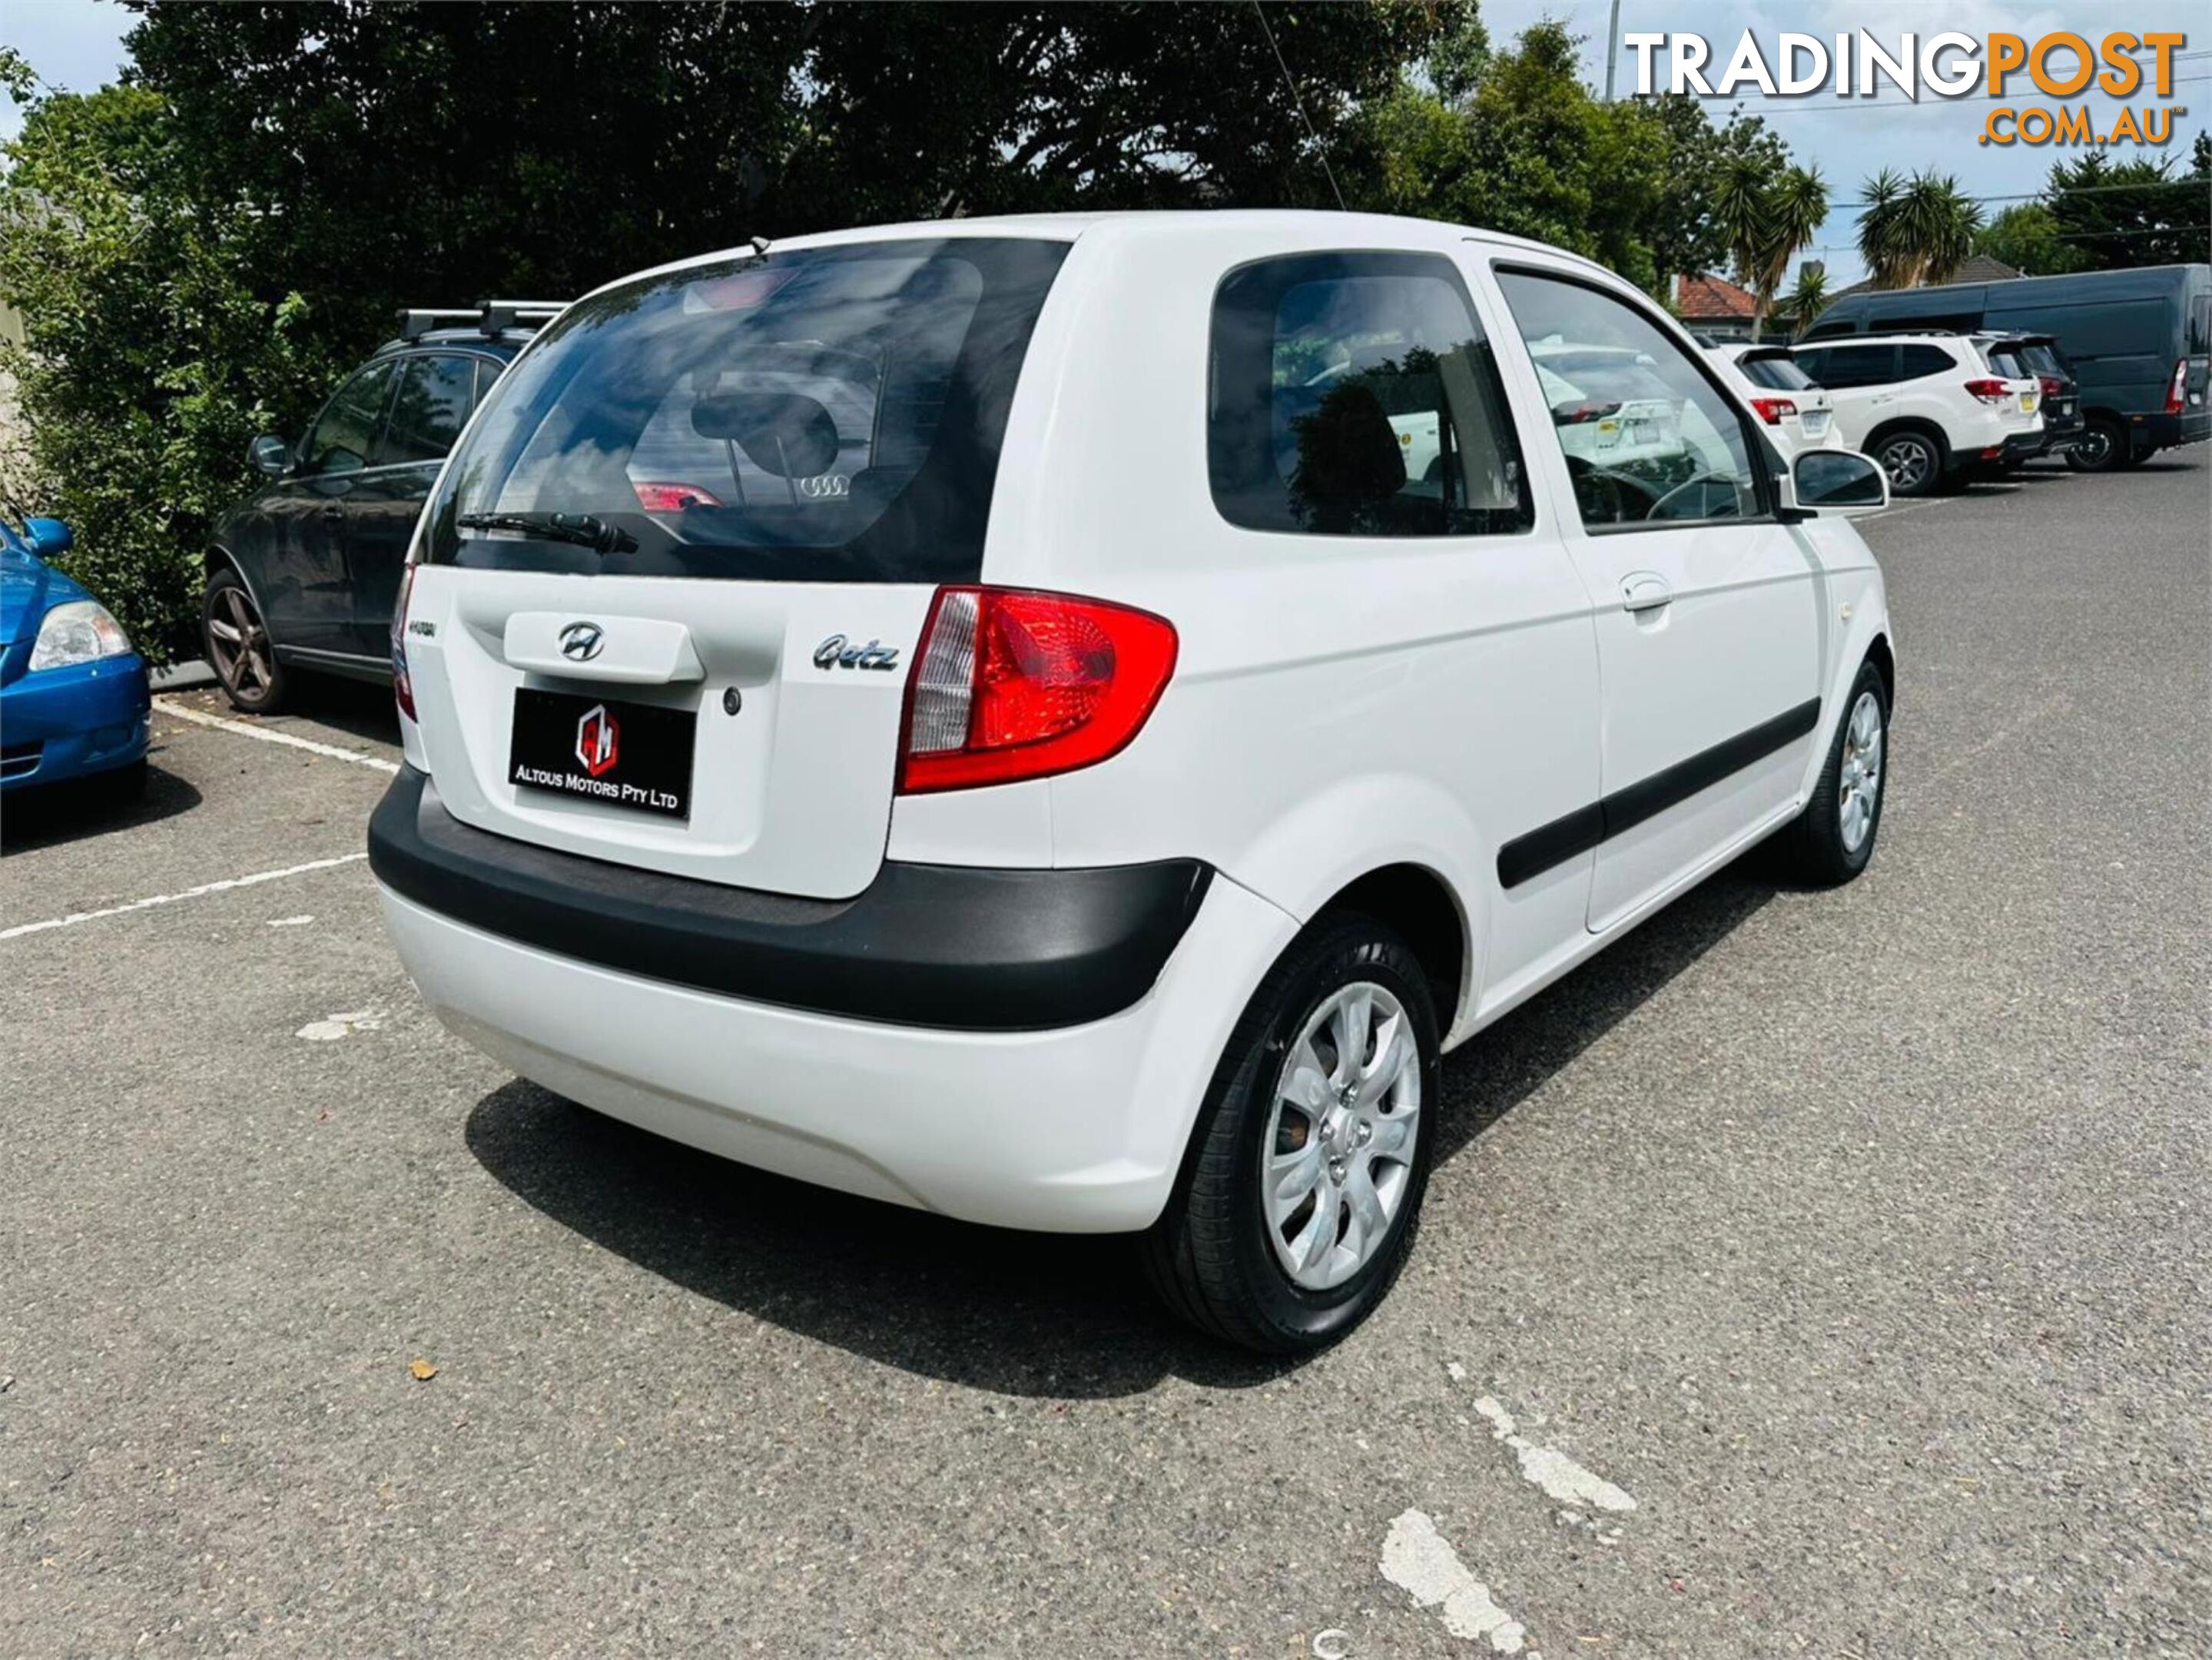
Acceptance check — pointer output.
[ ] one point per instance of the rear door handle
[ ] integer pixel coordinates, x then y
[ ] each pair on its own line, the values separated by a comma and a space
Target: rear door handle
1644, 590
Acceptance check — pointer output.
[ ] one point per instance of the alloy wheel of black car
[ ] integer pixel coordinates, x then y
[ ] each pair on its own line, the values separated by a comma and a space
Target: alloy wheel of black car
239, 647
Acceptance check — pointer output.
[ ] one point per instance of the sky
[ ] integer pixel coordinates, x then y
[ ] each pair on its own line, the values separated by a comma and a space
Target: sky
78, 45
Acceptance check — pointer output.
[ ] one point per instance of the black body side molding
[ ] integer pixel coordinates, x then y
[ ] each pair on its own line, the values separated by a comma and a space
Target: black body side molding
1548, 845
942, 946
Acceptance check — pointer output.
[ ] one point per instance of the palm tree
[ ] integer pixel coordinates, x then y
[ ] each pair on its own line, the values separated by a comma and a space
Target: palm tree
1809, 297
1766, 219
1795, 207
1917, 230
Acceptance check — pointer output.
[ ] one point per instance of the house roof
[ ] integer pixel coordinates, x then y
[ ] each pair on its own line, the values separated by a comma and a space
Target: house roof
1711, 299
1978, 268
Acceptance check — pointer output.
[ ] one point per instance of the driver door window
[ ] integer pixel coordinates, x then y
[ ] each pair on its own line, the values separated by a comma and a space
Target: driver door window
1647, 438
344, 436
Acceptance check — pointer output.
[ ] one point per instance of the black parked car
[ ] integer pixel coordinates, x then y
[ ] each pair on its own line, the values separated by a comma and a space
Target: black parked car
304, 573
2020, 356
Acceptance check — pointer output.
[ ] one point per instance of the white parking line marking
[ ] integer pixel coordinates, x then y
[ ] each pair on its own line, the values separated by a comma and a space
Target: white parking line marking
268, 737
201, 891
1550, 1470
1421, 1562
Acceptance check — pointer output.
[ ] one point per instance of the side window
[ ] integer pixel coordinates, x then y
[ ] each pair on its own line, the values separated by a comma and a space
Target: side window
344, 436
428, 410
1646, 435
1852, 366
1355, 394
1921, 362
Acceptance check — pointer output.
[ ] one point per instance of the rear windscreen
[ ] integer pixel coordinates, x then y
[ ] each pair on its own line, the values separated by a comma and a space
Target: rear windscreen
1777, 374
822, 415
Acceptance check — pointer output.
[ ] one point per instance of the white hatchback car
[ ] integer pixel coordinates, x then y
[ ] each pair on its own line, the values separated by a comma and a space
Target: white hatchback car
1021, 741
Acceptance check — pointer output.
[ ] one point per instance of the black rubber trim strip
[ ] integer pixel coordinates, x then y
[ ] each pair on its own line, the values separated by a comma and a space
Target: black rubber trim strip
941, 945
1541, 849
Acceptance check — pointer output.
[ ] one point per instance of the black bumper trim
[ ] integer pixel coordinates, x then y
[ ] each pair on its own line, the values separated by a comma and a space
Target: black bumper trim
941, 945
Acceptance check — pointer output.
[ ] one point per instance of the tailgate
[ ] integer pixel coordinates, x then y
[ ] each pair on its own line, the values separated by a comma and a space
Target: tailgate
702, 738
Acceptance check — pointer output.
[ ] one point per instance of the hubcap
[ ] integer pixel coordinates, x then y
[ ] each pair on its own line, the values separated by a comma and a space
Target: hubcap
1860, 791
2096, 443
239, 643
1340, 1137
1907, 460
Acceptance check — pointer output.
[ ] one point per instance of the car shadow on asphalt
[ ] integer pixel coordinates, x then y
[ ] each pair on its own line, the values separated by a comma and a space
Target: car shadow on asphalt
1024, 1314
48, 817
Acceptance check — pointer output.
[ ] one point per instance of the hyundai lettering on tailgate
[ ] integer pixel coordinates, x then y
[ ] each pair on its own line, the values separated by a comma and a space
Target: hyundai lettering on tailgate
627, 754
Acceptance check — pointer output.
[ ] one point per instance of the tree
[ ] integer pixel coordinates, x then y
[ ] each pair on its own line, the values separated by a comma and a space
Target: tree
148, 359
1808, 298
1766, 217
2107, 214
1685, 231
1915, 230
2028, 237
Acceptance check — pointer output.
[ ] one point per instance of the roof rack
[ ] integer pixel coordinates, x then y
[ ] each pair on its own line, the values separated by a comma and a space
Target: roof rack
488, 317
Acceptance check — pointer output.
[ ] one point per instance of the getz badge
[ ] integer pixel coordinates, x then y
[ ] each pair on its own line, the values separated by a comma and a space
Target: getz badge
834, 654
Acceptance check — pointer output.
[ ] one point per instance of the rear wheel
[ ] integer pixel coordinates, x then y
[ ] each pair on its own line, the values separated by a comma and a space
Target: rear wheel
1913, 461
2102, 448
239, 647
1299, 1199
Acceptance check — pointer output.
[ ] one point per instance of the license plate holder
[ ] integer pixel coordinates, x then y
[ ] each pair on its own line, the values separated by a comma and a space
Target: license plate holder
637, 756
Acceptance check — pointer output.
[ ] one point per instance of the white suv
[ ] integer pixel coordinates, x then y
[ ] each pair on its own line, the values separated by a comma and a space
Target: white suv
1926, 406
972, 715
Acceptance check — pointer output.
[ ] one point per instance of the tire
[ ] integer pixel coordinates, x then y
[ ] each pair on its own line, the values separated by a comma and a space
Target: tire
1822, 851
1211, 1255
1913, 460
2103, 448
239, 647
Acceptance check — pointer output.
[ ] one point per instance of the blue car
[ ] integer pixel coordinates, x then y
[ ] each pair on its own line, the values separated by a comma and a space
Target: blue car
74, 700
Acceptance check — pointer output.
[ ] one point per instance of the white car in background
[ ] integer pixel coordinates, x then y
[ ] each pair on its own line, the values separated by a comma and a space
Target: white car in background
1794, 409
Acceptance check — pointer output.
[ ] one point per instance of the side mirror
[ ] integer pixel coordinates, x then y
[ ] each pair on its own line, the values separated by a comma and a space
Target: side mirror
47, 537
271, 456
1842, 483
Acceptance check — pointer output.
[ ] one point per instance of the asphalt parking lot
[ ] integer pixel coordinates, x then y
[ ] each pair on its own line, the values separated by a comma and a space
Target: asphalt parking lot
1823, 1273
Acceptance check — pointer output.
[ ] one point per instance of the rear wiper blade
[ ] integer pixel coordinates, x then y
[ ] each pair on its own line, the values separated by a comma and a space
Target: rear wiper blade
585, 529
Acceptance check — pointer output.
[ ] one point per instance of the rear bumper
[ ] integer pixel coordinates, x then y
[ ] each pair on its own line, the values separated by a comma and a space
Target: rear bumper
941, 945
60, 724
2165, 431
1076, 1130
1078, 1127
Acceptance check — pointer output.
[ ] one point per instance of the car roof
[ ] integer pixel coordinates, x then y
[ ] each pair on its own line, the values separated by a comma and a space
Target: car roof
1321, 228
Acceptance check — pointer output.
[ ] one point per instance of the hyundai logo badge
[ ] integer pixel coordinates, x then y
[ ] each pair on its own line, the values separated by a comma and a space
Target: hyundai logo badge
580, 642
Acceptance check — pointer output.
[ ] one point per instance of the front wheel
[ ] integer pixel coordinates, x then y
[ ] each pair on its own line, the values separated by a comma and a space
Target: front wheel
1299, 1199
239, 647
1834, 836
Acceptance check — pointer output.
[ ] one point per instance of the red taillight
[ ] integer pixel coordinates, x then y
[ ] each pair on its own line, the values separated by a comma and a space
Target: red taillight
1990, 391
1009, 683
656, 497
2052, 385
2177, 395
1772, 410
1574, 414
403, 688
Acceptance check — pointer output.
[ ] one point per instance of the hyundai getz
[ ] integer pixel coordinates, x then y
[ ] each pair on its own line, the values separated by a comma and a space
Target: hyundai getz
985, 715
